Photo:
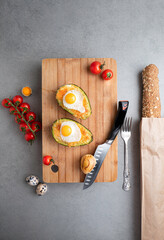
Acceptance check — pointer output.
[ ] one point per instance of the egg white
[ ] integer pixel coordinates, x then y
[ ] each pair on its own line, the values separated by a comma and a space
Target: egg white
75, 135
78, 104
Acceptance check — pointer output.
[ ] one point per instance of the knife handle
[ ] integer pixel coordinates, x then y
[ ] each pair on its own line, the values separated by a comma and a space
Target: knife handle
122, 110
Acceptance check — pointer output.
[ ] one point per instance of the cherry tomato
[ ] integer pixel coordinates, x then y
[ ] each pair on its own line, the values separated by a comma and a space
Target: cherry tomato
29, 137
18, 119
25, 107
96, 67
17, 100
30, 116
6, 103
36, 126
47, 160
107, 74
13, 110
24, 127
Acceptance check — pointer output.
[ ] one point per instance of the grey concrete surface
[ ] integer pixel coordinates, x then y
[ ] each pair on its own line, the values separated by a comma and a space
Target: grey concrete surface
132, 32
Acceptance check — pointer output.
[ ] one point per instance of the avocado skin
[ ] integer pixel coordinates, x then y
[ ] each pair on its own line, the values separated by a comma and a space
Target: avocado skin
69, 110
65, 144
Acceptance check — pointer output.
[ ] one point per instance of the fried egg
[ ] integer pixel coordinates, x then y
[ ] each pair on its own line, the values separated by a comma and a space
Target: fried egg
73, 99
70, 132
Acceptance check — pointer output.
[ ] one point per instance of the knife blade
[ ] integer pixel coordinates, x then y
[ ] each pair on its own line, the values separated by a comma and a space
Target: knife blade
102, 149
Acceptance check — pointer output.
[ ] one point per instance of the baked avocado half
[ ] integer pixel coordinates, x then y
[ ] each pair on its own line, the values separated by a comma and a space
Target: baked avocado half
86, 135
68, 87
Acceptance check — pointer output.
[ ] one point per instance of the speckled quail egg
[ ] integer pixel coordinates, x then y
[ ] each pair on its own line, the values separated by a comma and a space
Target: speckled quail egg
73, 99
41, 189
32, 180
70, 132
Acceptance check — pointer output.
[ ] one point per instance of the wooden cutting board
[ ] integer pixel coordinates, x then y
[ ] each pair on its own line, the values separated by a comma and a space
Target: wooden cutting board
103, 98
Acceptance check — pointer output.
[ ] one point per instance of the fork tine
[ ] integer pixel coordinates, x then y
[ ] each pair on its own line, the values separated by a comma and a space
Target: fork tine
126, 124
130, 123
123, 126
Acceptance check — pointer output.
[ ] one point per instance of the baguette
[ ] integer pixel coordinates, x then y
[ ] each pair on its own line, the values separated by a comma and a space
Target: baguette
151, 105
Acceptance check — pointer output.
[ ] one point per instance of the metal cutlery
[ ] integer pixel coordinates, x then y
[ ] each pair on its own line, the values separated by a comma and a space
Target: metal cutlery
126, 134
102, 149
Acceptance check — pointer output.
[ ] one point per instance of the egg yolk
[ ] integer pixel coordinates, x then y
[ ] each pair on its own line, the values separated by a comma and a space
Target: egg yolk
66, 130
26, 91
70, 98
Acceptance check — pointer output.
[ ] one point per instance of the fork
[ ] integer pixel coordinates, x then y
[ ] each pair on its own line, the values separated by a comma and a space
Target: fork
126, 134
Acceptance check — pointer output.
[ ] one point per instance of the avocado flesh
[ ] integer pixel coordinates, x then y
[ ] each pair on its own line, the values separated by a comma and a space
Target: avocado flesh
86, 137
75, 113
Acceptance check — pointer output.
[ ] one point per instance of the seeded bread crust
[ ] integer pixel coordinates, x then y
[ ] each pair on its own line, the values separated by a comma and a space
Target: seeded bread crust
151, 105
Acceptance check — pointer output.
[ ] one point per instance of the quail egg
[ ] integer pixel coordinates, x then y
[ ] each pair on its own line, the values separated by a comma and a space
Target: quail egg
41, 189
32, 180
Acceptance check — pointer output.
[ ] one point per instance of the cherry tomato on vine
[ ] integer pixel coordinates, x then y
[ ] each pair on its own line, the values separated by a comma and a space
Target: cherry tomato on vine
47, 160
13, 110
96, 67
5, 103
30, 116
36, 126
29, 137
25, 107
18, 119
17, 100
24, 127
107, 74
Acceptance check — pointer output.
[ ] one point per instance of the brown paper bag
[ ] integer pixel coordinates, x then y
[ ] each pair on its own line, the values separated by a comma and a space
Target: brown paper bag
152, 179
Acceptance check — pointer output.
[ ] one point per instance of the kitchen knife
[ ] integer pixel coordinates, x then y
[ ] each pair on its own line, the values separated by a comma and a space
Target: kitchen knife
101, 150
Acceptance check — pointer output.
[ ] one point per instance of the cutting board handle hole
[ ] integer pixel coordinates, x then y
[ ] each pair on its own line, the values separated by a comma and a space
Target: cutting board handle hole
54, 168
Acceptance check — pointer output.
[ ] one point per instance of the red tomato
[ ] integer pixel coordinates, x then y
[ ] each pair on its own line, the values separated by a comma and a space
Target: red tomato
36, 126
96, 67
13, 110
107, 74
29, 136
17, 100
18, 119
6, 103
30, 116
47, 160
25, 107
24, 128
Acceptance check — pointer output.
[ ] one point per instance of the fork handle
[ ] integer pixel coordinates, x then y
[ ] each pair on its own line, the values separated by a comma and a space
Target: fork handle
126, 174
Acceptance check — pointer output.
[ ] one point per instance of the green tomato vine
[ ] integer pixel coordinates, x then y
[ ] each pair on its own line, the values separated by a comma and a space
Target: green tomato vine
22, 116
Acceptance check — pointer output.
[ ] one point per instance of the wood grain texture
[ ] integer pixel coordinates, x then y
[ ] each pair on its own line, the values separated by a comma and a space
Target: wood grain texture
103, 98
